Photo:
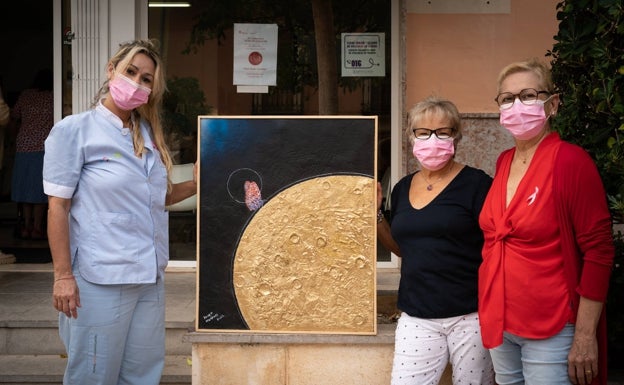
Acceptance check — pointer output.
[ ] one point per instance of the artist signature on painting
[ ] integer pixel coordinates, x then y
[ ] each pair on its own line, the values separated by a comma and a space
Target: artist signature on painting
213, 317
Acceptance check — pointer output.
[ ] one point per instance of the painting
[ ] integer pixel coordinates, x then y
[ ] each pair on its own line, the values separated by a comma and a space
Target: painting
286, 224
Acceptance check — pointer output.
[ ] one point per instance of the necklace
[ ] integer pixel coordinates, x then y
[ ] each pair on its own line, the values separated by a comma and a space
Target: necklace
523, 157
430, 184
529, 151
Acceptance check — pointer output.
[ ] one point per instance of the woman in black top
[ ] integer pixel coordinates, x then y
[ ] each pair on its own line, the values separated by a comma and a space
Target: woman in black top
434, 229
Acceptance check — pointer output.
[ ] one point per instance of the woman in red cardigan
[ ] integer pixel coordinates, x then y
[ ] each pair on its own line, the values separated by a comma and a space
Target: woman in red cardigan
548, 247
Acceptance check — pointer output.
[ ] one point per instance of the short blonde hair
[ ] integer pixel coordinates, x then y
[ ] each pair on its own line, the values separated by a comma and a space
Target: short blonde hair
532, 65
434, 105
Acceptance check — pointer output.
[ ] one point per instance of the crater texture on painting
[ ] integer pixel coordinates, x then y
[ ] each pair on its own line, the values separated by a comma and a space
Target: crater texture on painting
313, 270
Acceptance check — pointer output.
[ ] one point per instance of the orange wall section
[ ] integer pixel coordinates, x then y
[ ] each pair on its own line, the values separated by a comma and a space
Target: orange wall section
459, 56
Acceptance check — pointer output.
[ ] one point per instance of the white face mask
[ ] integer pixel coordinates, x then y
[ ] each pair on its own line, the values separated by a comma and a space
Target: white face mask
523, 121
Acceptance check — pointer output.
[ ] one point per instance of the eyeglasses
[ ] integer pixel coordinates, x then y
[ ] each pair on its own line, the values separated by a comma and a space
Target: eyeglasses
440, 133
527, 96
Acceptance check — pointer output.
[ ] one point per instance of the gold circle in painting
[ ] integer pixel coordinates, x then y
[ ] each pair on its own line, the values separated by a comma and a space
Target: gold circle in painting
306, 260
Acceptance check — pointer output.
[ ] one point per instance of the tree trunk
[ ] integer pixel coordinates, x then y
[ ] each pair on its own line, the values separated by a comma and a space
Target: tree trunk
326, 56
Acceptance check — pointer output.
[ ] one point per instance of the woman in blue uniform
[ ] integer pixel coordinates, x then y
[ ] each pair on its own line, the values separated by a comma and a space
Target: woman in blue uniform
106, 175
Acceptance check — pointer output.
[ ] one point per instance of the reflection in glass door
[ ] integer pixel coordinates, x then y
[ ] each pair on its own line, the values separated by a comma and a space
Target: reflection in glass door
66, 58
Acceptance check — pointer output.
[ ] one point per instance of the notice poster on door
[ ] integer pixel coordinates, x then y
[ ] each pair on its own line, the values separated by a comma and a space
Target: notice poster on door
363, 54
255, 55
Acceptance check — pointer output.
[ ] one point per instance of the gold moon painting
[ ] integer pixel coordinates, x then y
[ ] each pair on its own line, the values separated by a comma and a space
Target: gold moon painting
286, 224
306, 259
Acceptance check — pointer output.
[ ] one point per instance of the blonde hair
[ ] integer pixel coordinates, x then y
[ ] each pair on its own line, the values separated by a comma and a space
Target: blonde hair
434, 105
151, 111
534, 66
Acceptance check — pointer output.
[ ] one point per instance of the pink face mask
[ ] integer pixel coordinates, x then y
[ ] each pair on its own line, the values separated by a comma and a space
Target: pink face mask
128, 94
433, 153
523, 121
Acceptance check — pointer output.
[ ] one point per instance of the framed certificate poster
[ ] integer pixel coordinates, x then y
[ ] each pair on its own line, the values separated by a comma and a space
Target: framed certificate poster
286, 224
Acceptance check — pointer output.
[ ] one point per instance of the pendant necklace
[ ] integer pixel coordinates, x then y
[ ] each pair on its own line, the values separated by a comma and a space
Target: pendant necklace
530, 151
430, 184
525, 157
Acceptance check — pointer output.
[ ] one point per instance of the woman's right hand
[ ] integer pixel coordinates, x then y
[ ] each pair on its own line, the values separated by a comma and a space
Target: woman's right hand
379, 196
66, 296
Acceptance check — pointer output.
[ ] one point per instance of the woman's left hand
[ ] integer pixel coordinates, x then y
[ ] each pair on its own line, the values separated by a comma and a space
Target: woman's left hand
379, 196
583, 359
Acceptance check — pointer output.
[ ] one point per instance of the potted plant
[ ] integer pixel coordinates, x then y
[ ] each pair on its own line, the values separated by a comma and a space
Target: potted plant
182, 103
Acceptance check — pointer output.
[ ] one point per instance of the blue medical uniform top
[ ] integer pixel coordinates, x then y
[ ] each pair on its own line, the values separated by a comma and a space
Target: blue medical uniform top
118, 224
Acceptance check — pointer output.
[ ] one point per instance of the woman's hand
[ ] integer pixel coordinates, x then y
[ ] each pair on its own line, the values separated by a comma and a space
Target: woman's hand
583, 355
583, 359
65, 296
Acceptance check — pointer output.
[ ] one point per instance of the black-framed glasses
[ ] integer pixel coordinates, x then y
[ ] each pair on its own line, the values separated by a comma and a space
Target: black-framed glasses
527, 96
440, 133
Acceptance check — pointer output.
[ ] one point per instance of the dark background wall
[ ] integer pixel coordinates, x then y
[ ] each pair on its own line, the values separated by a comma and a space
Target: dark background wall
26, 46
25, 43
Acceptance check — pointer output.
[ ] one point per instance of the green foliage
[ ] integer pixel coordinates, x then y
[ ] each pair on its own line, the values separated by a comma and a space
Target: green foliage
616, 204
182, 103
615, 304
588, 69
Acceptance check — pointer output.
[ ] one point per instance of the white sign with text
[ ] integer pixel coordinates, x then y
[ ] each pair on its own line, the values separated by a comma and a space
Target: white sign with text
363, 54
255, 54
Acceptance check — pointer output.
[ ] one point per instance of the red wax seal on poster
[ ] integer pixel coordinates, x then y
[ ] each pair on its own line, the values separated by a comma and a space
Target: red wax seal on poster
255, 58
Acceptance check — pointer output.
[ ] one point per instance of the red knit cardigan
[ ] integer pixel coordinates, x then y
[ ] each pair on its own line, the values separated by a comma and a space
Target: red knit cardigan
587, 234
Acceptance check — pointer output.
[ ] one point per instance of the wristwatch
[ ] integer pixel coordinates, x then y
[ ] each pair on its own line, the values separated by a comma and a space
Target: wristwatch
380, 216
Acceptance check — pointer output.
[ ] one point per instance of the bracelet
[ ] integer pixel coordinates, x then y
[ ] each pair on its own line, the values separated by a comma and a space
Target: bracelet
65, 277
380, 216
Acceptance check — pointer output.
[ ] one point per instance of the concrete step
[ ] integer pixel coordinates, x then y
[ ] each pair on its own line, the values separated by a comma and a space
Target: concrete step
31, 351
48, 369
44, 340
